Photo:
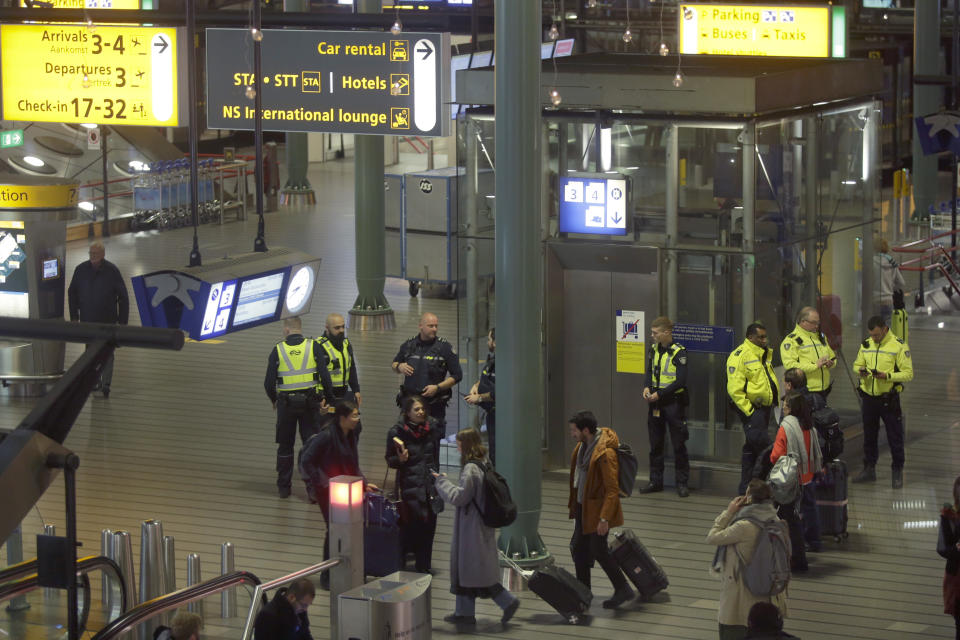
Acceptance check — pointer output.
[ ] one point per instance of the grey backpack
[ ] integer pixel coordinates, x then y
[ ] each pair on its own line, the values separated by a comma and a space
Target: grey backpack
784, 479
768, 571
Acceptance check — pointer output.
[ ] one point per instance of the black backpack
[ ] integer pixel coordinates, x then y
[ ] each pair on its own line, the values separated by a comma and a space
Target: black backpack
499, 508
827, 423
628, 465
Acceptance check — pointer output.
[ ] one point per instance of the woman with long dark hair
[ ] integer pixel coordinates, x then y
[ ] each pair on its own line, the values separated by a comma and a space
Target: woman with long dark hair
796, 436
474, 563
412, 445
948, 546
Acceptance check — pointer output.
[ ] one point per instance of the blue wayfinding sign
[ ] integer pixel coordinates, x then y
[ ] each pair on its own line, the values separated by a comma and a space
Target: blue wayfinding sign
939, 132
704, 338
595, 204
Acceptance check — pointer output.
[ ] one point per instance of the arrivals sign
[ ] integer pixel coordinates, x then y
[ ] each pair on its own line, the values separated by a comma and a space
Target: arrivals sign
330, 81
755, 30
102, 75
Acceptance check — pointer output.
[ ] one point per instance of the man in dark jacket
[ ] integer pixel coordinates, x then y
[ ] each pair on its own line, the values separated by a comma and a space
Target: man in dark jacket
285, 617
97, 293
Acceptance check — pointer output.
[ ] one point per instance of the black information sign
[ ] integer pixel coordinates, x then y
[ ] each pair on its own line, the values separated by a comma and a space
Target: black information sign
330, 81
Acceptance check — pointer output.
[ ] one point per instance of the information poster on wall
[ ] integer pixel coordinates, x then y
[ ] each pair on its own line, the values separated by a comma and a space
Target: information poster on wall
628, 330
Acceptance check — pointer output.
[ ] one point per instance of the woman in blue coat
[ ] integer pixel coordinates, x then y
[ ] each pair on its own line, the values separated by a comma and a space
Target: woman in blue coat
474, 561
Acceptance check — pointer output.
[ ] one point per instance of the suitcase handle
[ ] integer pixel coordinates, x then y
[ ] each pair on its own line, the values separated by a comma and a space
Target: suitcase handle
505, 559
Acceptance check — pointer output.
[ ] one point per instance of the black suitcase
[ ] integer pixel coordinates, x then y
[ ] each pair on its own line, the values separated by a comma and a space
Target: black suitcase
641, 567
831, 491
382, 546
562, 591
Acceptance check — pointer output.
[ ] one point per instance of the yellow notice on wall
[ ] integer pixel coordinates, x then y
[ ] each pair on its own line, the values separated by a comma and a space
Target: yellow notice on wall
105, 75
38, 196
755, 30
631, 350
92, 4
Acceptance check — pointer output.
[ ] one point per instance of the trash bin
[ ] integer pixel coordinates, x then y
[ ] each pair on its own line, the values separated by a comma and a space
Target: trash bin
395, 606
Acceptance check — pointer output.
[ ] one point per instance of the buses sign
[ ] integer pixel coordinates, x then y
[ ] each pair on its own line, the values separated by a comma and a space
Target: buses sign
755, 30
103, 75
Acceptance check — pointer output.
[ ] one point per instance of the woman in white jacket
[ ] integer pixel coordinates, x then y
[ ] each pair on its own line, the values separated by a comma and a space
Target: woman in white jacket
738, 535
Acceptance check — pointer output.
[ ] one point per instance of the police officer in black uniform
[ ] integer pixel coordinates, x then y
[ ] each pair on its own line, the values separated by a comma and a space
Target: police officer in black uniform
341, 364
484, 394
295, 368
430, 368
665, 390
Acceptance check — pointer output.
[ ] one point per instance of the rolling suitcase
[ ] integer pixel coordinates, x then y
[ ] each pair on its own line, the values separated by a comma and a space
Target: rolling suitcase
831, 491
382, 550
557, 587
641, 567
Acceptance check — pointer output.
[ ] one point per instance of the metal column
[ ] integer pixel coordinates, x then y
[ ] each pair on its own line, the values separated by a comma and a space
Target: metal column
812, 271
519, 251
926, 99
469, 231
748, 143
871, 158
672, 219
371, 309
297, 189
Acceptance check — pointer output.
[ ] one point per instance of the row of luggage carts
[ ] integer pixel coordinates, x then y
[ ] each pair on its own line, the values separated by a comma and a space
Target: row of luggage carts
161, 194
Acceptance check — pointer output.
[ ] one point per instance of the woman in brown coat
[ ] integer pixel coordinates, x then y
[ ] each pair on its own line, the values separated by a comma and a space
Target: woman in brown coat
735, 598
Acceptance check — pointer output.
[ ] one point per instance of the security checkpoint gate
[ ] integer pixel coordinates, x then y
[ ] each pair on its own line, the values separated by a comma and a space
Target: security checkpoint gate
395, 606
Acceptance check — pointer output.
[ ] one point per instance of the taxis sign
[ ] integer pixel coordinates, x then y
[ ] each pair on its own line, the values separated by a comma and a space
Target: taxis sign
755, 30
103, 75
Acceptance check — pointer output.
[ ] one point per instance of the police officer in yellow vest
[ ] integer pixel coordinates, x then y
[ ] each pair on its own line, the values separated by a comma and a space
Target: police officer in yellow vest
665, 389
883, 364
341, 365
294, 369
752, 387
806, 349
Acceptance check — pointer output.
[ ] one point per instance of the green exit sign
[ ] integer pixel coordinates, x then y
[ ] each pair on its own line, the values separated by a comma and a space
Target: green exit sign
12, 138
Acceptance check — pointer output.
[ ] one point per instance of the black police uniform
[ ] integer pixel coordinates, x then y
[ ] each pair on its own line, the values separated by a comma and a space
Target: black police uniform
431, 362
668, 411
488, 384
295, 408
351, 385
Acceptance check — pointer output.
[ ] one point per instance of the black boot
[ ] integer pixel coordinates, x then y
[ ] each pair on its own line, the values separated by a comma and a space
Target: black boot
868, 474
897, 481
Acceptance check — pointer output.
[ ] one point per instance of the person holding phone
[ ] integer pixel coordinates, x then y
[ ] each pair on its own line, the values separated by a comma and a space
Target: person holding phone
412, 446
883, 364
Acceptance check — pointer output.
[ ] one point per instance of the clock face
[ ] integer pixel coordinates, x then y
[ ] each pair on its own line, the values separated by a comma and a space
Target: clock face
298, 292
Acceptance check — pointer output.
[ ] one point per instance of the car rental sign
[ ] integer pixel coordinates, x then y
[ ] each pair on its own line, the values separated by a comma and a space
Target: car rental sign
330, 81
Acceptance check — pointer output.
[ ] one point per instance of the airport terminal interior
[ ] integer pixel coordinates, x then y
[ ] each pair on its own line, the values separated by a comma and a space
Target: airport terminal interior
768, 199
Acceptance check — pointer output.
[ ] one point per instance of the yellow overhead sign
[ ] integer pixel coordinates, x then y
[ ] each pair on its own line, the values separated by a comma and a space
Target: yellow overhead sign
755, 30
92, 4
37, 196
103, 75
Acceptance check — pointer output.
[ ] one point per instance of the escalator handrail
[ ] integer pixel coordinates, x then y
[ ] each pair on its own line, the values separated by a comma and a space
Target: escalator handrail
22, 578
256, 602
175, 600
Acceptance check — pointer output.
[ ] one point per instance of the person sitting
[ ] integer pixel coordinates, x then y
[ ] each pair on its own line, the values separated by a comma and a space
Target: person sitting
736, 537
797, 436
474, 560
764, 622
185, 626
285, 617
411, 449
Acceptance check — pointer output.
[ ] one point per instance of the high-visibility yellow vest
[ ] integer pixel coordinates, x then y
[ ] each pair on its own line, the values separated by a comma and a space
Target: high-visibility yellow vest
892, 357
338, 362
801, 350
750, 377
664, 361
298, 367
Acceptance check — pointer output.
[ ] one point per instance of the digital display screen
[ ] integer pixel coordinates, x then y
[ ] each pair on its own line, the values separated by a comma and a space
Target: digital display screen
258, 298
51, 269
216, 315
593, 205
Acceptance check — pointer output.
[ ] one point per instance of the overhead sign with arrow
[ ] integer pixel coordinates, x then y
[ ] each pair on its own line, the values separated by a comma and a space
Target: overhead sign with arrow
594, 203
91, 74
330, 81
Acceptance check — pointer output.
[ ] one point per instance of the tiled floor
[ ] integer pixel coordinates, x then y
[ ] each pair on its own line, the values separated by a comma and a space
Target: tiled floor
187, 438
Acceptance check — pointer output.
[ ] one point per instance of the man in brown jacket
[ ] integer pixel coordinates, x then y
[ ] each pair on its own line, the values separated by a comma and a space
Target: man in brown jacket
595, 503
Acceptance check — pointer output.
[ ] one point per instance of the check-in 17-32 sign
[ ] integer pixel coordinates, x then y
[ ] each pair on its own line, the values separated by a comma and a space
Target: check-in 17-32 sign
330, 81
102, 75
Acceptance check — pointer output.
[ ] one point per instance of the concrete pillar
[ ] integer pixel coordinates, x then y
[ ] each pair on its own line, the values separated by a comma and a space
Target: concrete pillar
672, 219
519, 251
297, 189
926, 100
371, 309
748, 144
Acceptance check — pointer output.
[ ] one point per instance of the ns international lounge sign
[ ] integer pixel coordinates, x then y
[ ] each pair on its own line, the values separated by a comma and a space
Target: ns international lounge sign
761, 30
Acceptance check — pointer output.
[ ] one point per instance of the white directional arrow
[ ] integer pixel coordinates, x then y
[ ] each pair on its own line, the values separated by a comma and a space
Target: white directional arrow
424, 87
